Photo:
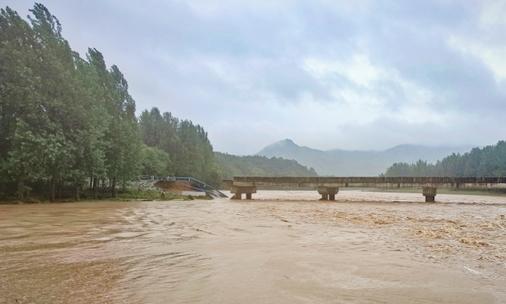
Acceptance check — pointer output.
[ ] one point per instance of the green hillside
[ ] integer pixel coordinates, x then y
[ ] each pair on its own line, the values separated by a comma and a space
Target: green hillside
232, 165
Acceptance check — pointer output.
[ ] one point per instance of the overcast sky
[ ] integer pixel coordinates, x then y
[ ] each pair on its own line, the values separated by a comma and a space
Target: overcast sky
327, 74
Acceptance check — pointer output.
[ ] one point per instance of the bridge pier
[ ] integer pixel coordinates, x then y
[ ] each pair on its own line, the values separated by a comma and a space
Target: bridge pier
239, 188
328, 193
430, 193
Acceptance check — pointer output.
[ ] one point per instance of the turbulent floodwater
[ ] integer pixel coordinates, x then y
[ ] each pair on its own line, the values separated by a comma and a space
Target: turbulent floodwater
283, 248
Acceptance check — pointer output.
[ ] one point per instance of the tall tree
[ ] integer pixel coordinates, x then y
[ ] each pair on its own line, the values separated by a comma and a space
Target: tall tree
187, 144
67, 122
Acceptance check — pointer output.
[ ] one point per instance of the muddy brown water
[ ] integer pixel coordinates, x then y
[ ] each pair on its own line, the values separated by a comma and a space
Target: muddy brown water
284, 247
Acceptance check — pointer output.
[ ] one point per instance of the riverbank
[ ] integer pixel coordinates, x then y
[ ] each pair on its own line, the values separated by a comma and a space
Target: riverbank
131, 195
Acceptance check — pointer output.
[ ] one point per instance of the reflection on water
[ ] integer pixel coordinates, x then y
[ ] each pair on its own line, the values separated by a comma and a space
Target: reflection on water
249, 252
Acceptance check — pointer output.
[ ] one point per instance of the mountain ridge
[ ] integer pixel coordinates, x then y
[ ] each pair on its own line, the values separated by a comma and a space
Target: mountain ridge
340, 162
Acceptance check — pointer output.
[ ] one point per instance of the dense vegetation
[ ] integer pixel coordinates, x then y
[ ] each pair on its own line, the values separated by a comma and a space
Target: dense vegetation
232, 165
63, 118
488, 161
176, 147
68, 123
68, 126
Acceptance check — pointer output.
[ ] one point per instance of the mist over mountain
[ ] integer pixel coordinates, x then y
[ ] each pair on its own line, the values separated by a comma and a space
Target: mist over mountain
339, 162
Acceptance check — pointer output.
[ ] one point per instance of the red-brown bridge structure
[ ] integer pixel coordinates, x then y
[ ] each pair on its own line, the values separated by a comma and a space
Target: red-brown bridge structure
328, 187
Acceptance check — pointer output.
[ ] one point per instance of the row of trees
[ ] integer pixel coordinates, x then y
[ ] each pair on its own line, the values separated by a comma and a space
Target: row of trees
232, 165
64, 119
68, 123
488, 161
181, 145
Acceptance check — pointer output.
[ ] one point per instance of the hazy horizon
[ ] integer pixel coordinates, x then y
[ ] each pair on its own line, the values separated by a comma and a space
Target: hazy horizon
327, 74
351, 150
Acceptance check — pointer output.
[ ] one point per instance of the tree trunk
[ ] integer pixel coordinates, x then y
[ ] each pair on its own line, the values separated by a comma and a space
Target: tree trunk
113, 187
61, 184
95, 187
77, 193
52, 189
21, 190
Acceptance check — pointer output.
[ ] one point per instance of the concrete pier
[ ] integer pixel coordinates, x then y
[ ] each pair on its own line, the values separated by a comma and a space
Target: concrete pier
238, 188
328, 193
430, 193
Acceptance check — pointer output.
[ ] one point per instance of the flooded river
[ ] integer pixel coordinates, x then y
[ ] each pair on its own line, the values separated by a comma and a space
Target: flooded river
283, 248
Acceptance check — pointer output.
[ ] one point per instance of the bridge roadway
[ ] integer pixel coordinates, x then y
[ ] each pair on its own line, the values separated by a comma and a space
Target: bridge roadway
328, 187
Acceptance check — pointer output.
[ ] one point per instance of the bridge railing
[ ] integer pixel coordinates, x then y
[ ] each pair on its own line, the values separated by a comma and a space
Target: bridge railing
195, 183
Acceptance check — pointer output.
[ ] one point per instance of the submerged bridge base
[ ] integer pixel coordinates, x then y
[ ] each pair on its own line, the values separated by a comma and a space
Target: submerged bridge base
328, 193
238, 189
430, 194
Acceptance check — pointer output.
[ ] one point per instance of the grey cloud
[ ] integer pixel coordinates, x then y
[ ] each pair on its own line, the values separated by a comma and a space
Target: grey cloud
222, 63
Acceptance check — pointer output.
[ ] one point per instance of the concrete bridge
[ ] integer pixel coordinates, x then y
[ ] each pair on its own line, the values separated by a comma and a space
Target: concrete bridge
328, 187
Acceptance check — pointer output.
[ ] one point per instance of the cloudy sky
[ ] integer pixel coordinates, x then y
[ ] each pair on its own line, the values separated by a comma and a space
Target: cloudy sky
325, 73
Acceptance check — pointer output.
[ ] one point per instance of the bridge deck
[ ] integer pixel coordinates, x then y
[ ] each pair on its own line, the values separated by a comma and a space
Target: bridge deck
328, 187
368, 180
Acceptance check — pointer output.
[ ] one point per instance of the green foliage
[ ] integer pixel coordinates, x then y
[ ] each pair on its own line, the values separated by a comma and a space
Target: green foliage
187, 145
231, 165
155, 162
488, 161
63, 119
68, 124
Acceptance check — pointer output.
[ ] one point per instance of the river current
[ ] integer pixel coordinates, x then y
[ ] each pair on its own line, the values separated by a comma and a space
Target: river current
284, 247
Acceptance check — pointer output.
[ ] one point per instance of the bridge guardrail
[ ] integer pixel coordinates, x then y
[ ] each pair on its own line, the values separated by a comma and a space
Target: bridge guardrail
194, 182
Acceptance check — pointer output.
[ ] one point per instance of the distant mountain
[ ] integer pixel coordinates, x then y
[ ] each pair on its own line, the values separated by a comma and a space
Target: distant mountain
357, 163
232, 165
